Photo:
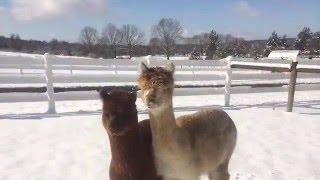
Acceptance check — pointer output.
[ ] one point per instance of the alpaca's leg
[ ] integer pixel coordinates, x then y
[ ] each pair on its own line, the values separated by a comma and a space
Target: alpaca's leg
221, 173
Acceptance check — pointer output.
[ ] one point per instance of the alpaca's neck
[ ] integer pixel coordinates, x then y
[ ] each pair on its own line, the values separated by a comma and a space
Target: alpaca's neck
125, 147
162, 120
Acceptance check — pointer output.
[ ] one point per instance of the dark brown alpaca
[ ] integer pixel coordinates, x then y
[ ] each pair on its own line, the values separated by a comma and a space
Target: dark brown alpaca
130, 141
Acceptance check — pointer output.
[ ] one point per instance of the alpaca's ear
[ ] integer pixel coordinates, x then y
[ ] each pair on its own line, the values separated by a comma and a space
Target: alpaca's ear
142, 67
104, 94
170, 67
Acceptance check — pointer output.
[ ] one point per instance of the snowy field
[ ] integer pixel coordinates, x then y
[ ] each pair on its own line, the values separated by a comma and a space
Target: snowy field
272, 144
72, 144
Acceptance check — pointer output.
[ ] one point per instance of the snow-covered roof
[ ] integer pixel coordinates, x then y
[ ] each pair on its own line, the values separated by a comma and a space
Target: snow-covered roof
284, 54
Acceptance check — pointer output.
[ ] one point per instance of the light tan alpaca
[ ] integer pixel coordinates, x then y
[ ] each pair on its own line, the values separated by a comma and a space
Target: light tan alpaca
190, 145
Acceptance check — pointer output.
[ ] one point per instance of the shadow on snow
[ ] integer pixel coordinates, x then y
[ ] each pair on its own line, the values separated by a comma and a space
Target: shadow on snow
310, 105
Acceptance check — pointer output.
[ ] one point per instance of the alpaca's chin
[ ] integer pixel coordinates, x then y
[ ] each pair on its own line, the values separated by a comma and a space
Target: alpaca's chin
113, 131
118, 132
156, 108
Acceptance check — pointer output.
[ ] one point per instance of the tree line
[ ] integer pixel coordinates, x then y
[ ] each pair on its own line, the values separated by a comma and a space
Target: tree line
166, 39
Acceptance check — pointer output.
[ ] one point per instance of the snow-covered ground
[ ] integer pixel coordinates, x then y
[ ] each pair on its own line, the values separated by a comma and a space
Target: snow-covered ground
272, 144
72, 144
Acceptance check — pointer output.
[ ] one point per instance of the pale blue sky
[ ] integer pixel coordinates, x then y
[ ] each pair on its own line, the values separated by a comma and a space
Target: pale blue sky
251, 19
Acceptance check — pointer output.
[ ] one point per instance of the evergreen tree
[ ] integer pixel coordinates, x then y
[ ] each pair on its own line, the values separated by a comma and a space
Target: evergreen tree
255, 51
274, 41
284, 42
239, 47
317, 39
315, 43
213, 44
224, 50
195, 54
303, 40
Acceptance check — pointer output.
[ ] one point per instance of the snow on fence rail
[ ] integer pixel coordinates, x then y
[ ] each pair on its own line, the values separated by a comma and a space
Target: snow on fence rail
216, 71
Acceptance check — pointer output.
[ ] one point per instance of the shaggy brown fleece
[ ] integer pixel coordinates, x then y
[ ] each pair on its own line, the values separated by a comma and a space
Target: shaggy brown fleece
156, 77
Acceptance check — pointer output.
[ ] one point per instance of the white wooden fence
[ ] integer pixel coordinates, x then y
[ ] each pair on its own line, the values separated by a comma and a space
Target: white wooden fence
288, 64
53, 71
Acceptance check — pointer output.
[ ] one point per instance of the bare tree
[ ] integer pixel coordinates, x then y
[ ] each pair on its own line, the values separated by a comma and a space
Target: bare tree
131, 37
111, 35
89, 37
168, 31
154, 45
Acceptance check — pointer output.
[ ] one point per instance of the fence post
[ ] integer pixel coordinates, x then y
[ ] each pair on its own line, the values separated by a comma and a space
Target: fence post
227, 87
50, 89
292, 85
